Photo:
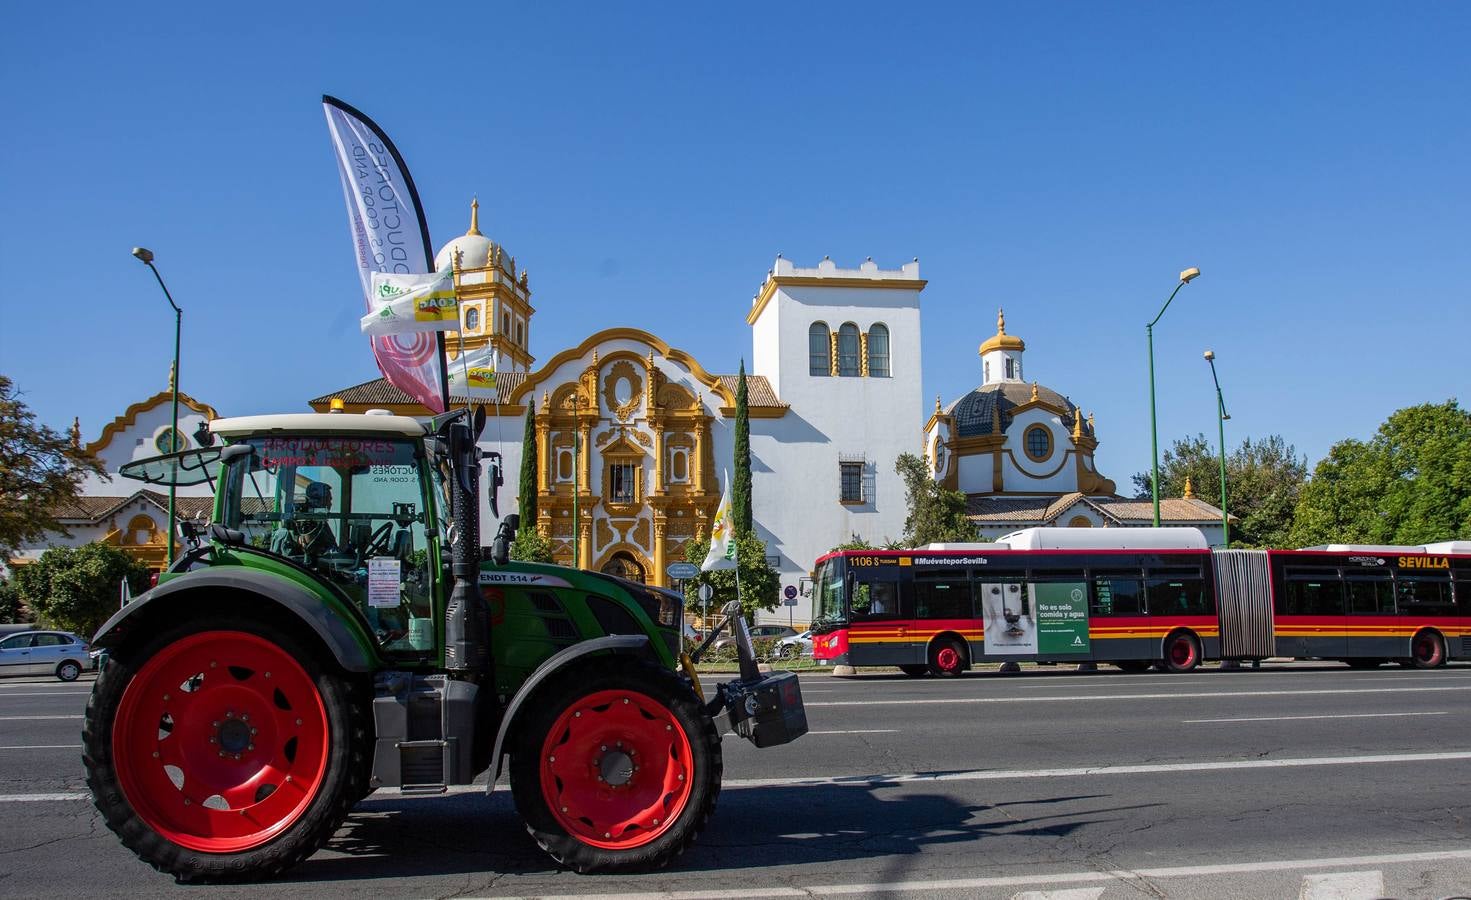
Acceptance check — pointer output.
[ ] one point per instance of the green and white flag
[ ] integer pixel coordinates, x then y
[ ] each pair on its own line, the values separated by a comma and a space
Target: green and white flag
473, 375
722, 553
405, 304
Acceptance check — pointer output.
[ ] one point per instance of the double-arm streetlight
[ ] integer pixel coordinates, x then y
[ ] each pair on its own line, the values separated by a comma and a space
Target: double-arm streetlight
146, 257
1221, 417
1185, 278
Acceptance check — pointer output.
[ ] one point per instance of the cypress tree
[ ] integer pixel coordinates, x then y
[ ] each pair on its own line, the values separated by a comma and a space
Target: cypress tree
528, 469
740, 491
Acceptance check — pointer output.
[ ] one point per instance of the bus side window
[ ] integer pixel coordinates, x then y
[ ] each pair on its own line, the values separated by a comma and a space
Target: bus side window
1423, 596
1463, 595
1370, 597
1181, 595
876, 600
1117, 594
942, 597
1314, 598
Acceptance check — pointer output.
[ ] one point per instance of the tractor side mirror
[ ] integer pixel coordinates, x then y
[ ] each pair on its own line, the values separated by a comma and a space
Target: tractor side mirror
494, 482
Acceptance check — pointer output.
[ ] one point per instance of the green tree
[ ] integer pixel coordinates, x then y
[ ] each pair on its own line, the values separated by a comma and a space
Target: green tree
853, 543
1263, 479
936, 514
11, 609
530, 545
760, 583
40, 472
1409, 484
76, 588
527, 499
740, 490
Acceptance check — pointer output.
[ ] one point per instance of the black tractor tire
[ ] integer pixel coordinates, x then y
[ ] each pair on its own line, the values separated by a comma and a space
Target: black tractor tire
915, 670
620, 745
327, 755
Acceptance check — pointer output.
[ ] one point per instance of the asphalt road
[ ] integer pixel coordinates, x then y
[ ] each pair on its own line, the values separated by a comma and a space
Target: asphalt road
1290, 781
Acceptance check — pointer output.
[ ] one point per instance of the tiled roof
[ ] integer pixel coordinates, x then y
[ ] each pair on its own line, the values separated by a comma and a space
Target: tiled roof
973, 413
94, 509
984, 509
758, 390
381, 392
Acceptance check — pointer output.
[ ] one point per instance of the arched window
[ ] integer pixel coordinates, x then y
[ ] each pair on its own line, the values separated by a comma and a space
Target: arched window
506, 324
819, 360
472, 319
987, 376
520, 334
848, 350
878, 351
1010, 368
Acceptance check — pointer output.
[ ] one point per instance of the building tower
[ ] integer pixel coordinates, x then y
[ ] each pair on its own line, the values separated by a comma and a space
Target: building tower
495, 299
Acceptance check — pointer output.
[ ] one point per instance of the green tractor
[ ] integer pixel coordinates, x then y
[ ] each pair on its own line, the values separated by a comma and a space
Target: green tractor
333, 630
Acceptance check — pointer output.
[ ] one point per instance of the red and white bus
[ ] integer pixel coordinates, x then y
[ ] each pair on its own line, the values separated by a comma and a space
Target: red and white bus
1139, 597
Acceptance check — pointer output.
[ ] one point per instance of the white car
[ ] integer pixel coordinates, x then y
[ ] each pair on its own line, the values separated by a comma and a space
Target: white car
794, 646
44, 653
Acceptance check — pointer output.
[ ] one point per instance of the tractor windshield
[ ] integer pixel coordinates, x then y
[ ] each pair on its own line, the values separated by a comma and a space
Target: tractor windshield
351, 509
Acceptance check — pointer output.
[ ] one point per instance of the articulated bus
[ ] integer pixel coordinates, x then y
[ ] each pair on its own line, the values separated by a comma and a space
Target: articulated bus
1139, 597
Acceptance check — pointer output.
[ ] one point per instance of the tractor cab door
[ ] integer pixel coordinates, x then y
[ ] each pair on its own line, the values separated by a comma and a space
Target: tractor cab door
359, 513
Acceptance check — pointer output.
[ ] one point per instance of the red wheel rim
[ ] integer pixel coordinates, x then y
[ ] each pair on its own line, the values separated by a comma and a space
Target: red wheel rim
1182, 651
1427, 650
220, 741
616, 769
948, 659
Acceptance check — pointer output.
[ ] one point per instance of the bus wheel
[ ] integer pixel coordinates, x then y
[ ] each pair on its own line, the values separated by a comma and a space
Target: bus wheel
915, 671
1182, 652
947, 659
1427, 650
616, 769
221, 751
1131, 665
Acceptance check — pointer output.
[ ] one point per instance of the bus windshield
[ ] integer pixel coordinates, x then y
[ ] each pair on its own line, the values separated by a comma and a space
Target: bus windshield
828, 607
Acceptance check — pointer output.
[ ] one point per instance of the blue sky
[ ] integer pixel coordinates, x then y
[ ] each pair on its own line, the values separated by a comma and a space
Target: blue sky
646, 164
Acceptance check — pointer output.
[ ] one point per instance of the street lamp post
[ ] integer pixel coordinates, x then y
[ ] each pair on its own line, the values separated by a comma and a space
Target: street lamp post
1185, 278
146, 257
1221, 417
576, 469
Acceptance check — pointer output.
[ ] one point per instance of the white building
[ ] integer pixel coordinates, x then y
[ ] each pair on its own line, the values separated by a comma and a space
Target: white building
833, 398
1023, 455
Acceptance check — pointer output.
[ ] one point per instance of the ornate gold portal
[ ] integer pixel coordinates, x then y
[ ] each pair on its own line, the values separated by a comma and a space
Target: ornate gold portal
635, 446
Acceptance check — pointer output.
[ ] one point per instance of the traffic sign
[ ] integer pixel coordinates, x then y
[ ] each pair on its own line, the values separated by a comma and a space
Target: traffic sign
706, 592
683, 570
790, 601
790, 593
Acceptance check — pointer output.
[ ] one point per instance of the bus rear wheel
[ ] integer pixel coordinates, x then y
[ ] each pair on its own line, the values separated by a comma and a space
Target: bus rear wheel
1427, 650
1182, 653
947, 658
915, 671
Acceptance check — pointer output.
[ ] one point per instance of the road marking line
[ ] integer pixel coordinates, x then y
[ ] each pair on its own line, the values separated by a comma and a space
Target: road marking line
36, 718
43, 747
1092, 771
1004, 881
1343, 886
48, 694
1181, 695
934, 777
1089, 893
1301, 718
856, 731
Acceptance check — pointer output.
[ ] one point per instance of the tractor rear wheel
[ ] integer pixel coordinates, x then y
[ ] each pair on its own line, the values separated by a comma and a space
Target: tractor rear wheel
221, 751
617, 767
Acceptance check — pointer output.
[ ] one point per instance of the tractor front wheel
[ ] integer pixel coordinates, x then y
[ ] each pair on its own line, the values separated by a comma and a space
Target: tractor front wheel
221, 751
617, 768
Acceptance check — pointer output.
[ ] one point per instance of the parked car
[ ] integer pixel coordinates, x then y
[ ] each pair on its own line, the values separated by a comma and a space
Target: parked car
794, 647
758, 632
44, 653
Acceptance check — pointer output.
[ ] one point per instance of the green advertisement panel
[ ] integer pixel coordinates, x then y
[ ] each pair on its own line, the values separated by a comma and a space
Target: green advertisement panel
1062, 617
